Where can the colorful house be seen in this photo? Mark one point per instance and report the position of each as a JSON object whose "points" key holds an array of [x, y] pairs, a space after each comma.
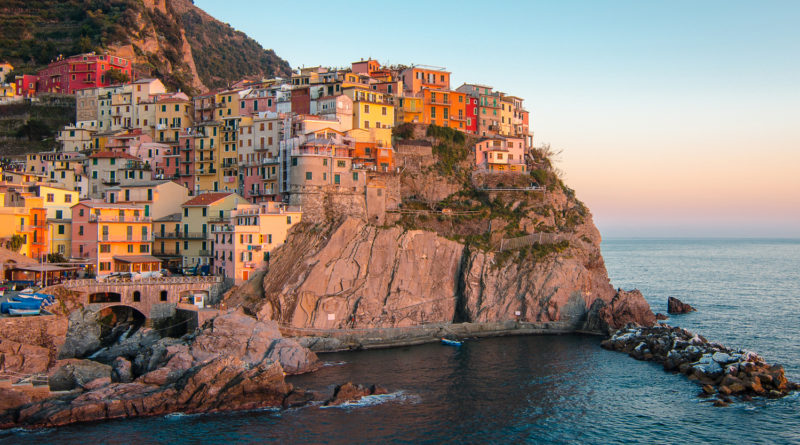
{"points": [[113, 237], [243, 242], [500, 154], [66, 75]]}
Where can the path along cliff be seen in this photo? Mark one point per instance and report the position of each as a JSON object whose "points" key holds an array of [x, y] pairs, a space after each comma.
{"points": [[461, 247]]}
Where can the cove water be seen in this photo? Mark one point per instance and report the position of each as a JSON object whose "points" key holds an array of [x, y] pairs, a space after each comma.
{"points": [[546, 389]]}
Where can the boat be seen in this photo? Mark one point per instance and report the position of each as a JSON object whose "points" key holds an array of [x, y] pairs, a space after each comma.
{"points": [[23, 312], [448, 342], [7, 306]]}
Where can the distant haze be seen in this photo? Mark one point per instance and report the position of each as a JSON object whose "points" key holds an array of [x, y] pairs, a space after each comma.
{"points": [[675, 118]]}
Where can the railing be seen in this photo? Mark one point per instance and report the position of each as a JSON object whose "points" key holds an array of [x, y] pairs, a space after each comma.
{"points": [[181, 235], [133, 219], [126, 238], [204, 253], [156, 281]]}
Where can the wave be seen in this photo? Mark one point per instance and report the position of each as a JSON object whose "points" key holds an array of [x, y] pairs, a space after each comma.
{"points": [[373, 400]]}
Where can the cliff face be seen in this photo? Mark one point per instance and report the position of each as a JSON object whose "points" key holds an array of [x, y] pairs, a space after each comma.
{"points": [[171, 39], [484, 249], [363, 276]]}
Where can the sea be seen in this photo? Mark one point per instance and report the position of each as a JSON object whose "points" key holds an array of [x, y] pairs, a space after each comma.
{"points": [[541, 389]]}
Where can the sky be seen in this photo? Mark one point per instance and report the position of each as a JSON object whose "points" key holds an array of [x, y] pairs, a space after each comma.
{"points": [[673, 119]]}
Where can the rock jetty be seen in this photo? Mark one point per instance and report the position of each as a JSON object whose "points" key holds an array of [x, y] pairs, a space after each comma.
{"points": [[675, 306], [721, 371]]}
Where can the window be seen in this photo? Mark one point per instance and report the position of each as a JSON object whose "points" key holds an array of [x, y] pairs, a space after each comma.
{"points": [[60, 229], [163, 295], [383, 111], [336, 179], [308, 176], [130, 248], [67, 198], [366, 108], [433, 112], [185, 212], [205, 210], [137, 296], [80, 212], [325, 162], [294, 162], [144, 248], [355, 176], [105, 248], [80, 230], [366, 124], [341, 164]]}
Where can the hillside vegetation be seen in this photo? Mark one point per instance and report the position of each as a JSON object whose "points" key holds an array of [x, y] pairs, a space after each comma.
{"points": [[171, 39]]}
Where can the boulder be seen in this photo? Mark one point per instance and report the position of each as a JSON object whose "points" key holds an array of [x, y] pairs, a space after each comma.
{"points": [[660, 316], [83, 335], [675, 306], [626, 307], [122, 370], [351, 393], [74, 373], [294, 358]]}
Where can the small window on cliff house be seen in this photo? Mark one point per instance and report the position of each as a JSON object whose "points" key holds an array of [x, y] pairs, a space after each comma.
{"points": [[163, 295], [137, 296]]}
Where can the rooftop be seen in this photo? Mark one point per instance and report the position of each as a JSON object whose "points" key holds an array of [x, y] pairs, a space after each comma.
{"points": [[205, 199]]}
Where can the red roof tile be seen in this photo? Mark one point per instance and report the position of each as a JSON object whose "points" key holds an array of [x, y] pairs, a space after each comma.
{"points": [[206, 198], [114, 154]]}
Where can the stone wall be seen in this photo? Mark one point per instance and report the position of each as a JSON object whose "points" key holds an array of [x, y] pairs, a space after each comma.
{"points": [[329, 203]]}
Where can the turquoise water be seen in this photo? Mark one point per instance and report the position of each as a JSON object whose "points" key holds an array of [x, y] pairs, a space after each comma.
{"points": [[547, 389]]}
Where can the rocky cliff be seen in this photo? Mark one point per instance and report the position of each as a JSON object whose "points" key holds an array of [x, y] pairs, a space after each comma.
{"points": [[489, 249]]}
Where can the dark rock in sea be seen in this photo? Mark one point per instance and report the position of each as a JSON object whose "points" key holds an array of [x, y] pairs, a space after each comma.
{"points": [[716, 368], [351, 393], [300, 398], [675, 306], [626, 307], [660, 316]]}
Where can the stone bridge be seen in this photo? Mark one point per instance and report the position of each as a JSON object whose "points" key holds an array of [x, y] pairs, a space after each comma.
{"points": [[146, 295]]}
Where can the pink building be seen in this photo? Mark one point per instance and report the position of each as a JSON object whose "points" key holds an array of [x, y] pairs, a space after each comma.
{"points": [[500, 154]]}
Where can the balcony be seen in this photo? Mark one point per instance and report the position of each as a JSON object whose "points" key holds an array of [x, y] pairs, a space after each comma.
{"points": [[181, 235], [110, 181], [125, 239], [157, 251], [204, 253], [137, 165], [125, 219]]}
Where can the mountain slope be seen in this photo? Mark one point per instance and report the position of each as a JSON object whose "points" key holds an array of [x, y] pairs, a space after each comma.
{"points": [[170, 39]]}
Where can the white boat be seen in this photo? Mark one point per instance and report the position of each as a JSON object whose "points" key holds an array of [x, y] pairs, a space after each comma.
{"points": [[23, 312]]}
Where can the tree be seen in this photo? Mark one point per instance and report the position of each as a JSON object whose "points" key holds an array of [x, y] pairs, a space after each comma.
{"points": [[56, 258], [15, 243], [115, 76], [34, 130]]}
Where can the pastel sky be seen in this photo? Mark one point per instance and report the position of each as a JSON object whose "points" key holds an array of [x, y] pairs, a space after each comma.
{"points": [[677, 118]]}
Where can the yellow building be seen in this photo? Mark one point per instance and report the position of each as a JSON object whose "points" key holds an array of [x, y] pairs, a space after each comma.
{"points": [[374, 113], [409, 109], [197, 214], [243, 242]]}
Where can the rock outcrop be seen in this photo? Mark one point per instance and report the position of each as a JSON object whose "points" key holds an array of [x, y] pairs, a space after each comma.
{"points": [[675, 306], [624, 308], [235, 362], [720, 370], [349, 392]]}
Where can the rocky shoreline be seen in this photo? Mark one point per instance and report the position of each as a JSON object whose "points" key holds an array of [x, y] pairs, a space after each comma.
{"points": [[722, 372]]}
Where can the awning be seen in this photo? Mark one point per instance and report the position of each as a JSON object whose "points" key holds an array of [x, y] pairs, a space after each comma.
{"points": [[43, 268], [137, 259]]}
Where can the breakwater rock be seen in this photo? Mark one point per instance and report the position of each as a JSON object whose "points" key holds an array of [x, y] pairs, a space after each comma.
{"points": [[351, 393], [720, 370], [675, 306]]}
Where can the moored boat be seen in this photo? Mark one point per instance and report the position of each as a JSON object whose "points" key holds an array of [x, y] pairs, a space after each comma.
{"points": [[23, 312], [448, 342]]}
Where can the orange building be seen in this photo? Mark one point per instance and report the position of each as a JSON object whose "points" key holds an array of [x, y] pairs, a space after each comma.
{"points": [[444, 108], [421, 76], [369, 154]]}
